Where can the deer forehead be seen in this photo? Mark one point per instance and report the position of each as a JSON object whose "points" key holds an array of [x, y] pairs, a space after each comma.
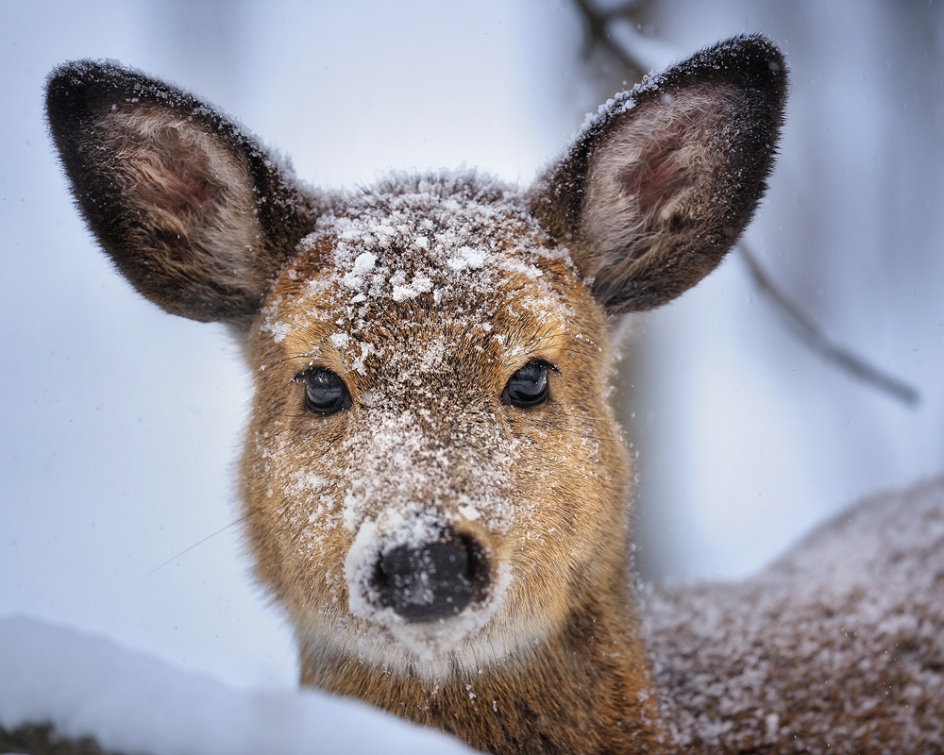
{"points": [[411, 287], [424, 302]]}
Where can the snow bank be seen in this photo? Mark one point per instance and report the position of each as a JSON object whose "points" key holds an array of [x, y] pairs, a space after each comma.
{"points": [[87, 686]]}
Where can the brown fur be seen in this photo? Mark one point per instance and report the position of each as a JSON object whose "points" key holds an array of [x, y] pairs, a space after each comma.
{"points": [[424, 298]]}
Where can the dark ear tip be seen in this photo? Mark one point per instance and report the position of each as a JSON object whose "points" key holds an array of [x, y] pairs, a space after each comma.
{"points": [[748, 60], [73, 88], [78, 87], [759, 45], [61, 85], [76, 75]]}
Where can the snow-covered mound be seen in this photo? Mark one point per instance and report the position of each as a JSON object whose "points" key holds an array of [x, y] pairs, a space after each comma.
{"points": [[127, 702]]}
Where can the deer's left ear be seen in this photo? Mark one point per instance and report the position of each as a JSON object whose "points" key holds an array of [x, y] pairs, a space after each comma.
{"points": [[661, 183]]}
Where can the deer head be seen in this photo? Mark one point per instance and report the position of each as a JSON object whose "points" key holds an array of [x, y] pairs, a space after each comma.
{"points": [[435, 488]]}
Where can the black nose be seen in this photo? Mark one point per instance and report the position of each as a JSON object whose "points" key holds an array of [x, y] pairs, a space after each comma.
{"points": [[433, 580]]}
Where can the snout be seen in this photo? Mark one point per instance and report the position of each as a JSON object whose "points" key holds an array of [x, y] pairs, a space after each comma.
{"points": [[433, 579]]}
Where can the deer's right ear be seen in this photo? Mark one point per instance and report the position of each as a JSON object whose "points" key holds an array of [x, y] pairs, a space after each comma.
{"points": [[192, 211], [661, 183]]}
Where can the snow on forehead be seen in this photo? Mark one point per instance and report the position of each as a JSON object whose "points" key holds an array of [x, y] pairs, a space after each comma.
{"points": [[457, 238]]}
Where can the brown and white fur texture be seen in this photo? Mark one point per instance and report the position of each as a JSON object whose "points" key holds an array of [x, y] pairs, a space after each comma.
{"points": [[435, 490]]}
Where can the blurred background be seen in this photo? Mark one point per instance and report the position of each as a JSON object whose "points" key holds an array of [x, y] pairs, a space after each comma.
{"points": [[119, 425]]}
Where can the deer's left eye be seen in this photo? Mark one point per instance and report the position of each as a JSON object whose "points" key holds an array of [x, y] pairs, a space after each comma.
{"points": [[325, 392], [528, 386]]}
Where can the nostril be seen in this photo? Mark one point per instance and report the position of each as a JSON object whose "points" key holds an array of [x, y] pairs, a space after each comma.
{"points": [[434, 580]]}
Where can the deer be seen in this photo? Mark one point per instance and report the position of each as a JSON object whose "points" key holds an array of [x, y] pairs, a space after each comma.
{"points": [[434, 488]]}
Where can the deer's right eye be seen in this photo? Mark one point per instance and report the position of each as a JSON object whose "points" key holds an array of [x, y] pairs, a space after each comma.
{"points": [[325, 392], [528, 386]]}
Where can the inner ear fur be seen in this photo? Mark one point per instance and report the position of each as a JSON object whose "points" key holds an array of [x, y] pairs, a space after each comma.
{"points": [[663, 180], [194, 213]]}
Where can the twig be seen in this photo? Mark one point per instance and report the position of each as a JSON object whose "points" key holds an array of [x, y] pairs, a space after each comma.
{"points": [[814, 337], [597, 21]]}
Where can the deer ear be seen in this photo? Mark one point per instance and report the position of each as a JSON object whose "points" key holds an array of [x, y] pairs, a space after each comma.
{"points": [[663, 180], [193, 212]]}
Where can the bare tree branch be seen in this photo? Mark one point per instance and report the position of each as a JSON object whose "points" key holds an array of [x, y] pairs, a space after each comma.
{"points": [[597, 34], [810, 333]]}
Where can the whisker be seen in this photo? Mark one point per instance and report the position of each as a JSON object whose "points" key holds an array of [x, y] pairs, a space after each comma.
{"points": [[196, 544]]}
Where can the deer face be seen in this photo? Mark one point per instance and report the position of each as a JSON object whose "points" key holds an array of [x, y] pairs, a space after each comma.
{"points": [[431, 456]]}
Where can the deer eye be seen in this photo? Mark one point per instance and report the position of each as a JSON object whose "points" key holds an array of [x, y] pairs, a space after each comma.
{"points": [[528, 386], [325, 392]]}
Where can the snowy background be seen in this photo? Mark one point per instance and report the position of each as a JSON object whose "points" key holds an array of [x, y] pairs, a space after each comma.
{"points": [[119, 424]]}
